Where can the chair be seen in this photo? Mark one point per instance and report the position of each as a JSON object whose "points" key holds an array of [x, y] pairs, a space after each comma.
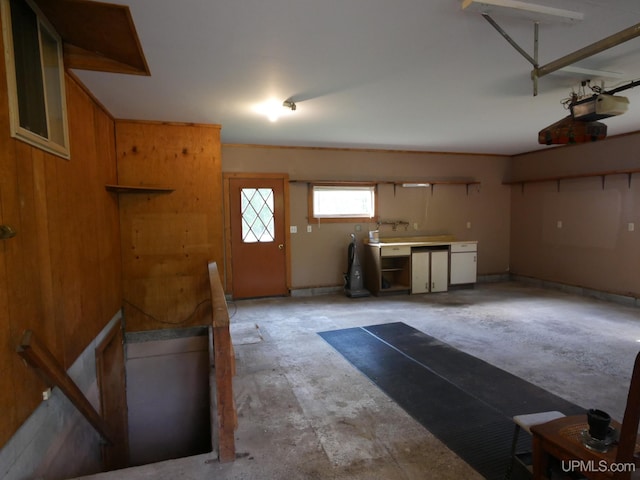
{"points": [[525, 422], [561, 439]]}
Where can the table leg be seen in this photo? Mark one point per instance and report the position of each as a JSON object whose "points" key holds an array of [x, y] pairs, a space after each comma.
{"points": [[540, 459]]}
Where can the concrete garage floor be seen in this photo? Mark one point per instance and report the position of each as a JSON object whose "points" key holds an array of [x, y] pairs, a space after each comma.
{"points": [[305, 413]]}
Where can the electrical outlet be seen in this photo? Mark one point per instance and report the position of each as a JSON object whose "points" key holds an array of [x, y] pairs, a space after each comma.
{"points": [[293, 229], [415, 226], [309, 228], [46, 395], [468, 225], [631, 226], [559, 223]]}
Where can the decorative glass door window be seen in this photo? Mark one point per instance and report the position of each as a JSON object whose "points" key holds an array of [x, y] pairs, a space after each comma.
{"points": [[257, 215]]}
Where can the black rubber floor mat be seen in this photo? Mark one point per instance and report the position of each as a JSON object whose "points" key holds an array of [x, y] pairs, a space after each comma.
{"points": [[508, 393], [465, 402]]}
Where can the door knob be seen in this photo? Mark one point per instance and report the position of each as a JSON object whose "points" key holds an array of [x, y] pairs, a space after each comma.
{"points": [[281, 246]]}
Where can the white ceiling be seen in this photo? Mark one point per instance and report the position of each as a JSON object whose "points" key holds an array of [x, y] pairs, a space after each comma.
{"points": [[408, 74]]}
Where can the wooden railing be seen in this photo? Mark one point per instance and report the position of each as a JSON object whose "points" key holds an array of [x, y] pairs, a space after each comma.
{"points": [[53, 375], [224, 365]]}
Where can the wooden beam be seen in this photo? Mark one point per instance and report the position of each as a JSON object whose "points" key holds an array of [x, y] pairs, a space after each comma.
{"points": [[588, 51], [52, 373]]}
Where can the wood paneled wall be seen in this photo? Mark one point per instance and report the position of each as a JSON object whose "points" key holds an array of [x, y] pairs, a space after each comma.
{"points": [[61, 274], [168, 239]]}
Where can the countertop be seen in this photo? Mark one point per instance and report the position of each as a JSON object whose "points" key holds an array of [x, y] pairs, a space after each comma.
{"points": [[420, 241]]}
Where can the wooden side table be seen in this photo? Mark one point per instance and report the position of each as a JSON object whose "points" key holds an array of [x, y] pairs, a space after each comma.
{"points": [[562, 439]]}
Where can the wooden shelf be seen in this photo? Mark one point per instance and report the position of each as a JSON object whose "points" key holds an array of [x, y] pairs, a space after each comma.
{"points": [[438, 182], [559, 178], [387, 182], [432, 183], [137, 189], [396, 183]]}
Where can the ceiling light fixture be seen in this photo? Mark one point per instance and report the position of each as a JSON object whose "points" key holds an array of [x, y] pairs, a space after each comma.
{"points": [[273, 110]]}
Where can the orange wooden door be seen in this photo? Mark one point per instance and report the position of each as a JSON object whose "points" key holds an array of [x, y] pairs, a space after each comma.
{"points": [[258, 237]]}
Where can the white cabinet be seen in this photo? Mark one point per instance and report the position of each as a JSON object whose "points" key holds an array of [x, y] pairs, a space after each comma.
{"points": [[419, 266], [439, 271], [420, 271], [429, 270], [464, 261]]}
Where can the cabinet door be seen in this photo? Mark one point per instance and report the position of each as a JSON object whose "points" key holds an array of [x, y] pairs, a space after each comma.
{"points": [[439, 271], [420, 272], [463, 268]]}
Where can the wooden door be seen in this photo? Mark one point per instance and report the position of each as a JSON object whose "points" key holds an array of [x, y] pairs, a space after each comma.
{"points": [[258, 236]]}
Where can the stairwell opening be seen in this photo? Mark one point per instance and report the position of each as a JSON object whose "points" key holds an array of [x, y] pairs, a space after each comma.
{"points": [[169, 385]]}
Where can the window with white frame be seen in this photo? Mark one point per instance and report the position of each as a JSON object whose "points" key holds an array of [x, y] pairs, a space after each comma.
{"points": [[342, 202], [35, 77]]}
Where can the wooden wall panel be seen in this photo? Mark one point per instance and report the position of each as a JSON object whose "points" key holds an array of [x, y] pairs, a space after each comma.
{"points": [[108, 221], [169, 239], [78, 238], [8, 420], [25, 277], [9, 216], [60, 275]]}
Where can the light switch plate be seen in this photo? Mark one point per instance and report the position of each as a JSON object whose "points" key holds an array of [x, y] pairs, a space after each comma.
{"points": [[293, 229]]}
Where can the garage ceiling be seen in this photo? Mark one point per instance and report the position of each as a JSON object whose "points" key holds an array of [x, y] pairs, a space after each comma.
{"points": [[408, 75]]}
